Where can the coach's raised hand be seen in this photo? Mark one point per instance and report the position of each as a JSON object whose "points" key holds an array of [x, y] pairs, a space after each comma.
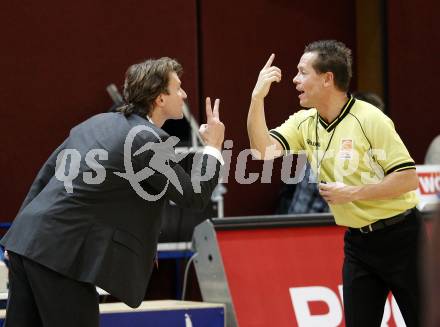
{"points": [[213, 132], [267, 76]]}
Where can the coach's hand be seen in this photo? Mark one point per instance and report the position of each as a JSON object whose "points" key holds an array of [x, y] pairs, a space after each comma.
{"points": [[268, 75], [213, 132]]}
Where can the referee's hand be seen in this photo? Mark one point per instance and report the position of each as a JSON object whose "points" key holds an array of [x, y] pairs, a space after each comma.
{"points": [[337, 193], [267, 76]]}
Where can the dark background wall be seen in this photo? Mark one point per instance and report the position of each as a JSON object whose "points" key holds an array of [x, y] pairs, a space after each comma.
{"points": [[58, 57], [237, 41], [413, 55]]}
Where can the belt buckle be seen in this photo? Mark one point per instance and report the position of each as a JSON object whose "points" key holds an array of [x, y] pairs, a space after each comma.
{"points": [[370, 229]]}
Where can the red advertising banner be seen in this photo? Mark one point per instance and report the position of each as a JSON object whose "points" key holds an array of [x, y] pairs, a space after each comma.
{"points": [[429, 187], [290, 276]]}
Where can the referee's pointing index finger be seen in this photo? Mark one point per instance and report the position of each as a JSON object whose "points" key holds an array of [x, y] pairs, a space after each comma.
{"points": [[269, 61]]}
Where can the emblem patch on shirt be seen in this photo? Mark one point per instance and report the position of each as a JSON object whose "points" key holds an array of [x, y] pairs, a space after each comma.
{"points": [[346, 150]]}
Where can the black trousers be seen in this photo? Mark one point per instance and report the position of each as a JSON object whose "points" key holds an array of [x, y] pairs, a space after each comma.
{"points": [[39, 296], [379, 262]]}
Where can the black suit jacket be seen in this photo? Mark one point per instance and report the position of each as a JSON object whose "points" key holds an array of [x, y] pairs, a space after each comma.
{"points": [[103, 232]]}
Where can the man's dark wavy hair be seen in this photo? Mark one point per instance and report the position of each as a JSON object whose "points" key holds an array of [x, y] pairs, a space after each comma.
{"points": [[144, 82], [335, 57]]}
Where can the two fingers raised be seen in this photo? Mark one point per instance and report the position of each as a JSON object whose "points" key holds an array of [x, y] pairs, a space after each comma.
{"points": [[212, 113]]}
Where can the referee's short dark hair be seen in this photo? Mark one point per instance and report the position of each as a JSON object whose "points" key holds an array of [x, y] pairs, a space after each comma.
{"points": [[335, 57]]}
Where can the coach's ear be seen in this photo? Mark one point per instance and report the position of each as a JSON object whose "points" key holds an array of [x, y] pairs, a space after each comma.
{"points": [[328, 79], [159, 101]]}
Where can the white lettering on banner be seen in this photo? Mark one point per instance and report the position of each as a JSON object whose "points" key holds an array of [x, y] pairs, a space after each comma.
{"points": [[301, 296], [398, 318], [429, 187], [386, 315], [429, 183], [341, 295]]}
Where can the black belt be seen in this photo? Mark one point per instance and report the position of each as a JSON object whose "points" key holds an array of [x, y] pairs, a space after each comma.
{"points": [[380, 224]]}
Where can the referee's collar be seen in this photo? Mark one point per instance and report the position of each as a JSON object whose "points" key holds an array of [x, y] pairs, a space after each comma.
{"points": [[344, 112]]}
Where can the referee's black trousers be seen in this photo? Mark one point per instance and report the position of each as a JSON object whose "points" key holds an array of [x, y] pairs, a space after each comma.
{"points": [[376, 263], [39, 296]]}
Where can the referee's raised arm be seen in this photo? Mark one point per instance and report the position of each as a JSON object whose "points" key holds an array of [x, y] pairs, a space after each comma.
{"points": [[259, 137]]}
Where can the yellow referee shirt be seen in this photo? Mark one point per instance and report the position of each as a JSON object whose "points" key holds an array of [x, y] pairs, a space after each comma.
{"points": [[359, 147]]}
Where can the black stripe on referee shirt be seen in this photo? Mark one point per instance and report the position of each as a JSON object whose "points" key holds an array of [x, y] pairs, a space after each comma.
{"points": [[280, 139], [344, 112], [403, 166]]}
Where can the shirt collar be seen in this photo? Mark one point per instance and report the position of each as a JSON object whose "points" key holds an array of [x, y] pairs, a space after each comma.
{"points": [[344, 112], [150, 120]]}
